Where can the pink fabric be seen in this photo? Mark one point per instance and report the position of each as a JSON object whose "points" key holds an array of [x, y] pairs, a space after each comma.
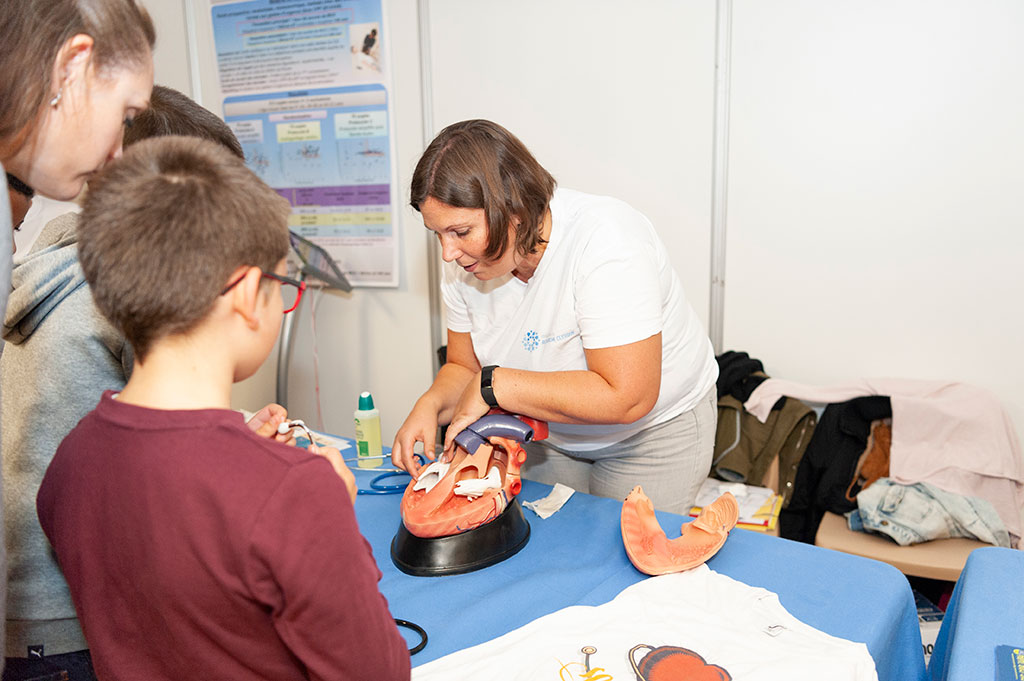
{"points": [[955, 436]]}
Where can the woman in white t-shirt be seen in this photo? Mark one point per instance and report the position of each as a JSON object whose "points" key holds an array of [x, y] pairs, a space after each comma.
{"points": [[562, 306]]}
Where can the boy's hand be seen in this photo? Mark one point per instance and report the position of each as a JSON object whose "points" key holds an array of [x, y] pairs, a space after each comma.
{"points": [[265, 422], [338, 464]]}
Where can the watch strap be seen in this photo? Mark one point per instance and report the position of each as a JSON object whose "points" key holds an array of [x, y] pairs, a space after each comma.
{"points": [[486, 385]]}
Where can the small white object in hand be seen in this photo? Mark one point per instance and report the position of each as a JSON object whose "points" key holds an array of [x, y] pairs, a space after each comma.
{"points": [[287, 426]]}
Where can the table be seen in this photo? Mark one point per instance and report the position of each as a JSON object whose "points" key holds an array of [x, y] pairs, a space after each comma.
{"points": [[576, 557], [986, 610], [937, 559]]}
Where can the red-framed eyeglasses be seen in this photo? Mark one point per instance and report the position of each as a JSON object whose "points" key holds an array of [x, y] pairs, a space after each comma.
{"points": [[291, 289]]}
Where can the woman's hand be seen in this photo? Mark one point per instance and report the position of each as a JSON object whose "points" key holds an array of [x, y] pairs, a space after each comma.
{"points": [[420, 426], [338, 464], [434, 407], [470, 407], [265, 422]]}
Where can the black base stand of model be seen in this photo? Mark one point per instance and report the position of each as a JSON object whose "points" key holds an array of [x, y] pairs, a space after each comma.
{"points": [[478, 548]]}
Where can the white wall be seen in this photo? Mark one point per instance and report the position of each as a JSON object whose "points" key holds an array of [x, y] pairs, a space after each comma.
{"points": [[612, 98], [876, 176], [874, 213], [170, 57]]}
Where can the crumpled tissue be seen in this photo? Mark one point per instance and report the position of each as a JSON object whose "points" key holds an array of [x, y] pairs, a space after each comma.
{"points": [[550, 504]]}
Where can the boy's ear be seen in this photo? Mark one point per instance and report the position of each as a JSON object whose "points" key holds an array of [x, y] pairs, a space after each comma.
{"points": [[245, 295]]}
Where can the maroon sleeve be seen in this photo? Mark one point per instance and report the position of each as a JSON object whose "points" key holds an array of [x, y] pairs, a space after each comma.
{"points": [[316, 573]]}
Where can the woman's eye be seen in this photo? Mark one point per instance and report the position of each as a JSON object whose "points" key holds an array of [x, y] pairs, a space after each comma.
{"points": [[129, 122]]}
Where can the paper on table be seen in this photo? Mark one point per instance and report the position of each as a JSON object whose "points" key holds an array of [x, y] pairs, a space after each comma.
{"points": [[331, 441], [750, 498], [550, 504]]}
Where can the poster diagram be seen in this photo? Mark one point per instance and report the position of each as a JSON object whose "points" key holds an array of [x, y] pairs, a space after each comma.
{"points": [[306, 94]]}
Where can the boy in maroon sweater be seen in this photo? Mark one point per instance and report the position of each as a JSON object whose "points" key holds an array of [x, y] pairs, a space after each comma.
{"points": [[193, 547]]}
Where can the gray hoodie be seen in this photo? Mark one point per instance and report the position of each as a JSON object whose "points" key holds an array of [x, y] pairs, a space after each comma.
{"points": [[59, 357], [5, 287]]}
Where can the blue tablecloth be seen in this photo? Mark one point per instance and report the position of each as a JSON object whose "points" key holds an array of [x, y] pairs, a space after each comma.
{"points": [[576, 557], [986, 610]]}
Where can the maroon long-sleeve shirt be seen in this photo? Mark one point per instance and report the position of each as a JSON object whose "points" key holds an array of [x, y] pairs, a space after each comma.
{"points": [[195, 549]]}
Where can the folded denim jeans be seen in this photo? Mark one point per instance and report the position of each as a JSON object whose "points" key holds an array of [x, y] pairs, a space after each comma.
{"points": [[911, 514]]}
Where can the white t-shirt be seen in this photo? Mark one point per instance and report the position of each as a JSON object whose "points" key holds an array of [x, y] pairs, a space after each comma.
{"points": [[741, 629], [604, 280]]}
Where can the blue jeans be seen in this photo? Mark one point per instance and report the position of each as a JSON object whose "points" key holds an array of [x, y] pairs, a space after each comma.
{"points": [[669, 460], [912, 514], [75, 666]]}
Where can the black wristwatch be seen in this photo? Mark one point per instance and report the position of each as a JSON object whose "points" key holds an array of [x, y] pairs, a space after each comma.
{"points": [[486, 387]]}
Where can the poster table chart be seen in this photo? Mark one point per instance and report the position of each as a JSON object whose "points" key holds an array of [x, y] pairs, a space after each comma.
{"points": [[576, 557], [986, 610]]}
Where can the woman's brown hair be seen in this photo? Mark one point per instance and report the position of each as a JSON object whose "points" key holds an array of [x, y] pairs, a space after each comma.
{"points": [[479, 164], [34, 31]]}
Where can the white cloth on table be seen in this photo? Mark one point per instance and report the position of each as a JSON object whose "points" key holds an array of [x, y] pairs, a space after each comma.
{"points": [[552, 503], [741, 629]]}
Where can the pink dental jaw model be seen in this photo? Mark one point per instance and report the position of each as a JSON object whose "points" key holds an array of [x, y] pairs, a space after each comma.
{"points": [[653, 553], [478, 483]]}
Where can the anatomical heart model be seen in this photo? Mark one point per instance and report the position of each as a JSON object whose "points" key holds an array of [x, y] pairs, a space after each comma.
{"points": [[478, 483]]}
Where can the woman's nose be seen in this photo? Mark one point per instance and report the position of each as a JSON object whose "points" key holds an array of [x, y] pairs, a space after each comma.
{"points": [[448, 251]]}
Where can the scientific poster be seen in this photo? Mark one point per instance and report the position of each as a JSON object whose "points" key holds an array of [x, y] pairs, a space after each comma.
{"points": [[307, 93]]}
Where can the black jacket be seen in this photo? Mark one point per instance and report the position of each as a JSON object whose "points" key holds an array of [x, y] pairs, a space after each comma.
{"points": [[829, 464]]}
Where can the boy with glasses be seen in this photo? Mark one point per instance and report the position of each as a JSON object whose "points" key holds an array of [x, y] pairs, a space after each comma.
{"points": [[192, 545]]}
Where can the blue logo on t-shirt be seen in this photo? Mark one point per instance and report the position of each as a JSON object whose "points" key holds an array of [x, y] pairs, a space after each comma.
{"points": [[531, 340]]}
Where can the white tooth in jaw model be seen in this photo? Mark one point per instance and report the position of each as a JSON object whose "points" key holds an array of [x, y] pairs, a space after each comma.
{"points": [[474, 488], [431, 475]]}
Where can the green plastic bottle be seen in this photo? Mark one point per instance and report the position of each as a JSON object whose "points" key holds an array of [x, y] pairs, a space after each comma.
{"points": [[368, 446]]}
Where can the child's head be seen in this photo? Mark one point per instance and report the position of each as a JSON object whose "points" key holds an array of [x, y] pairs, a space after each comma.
{"points": [[164, 230], [173, 113]]}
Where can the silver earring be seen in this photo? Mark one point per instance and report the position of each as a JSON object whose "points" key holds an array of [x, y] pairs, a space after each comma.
{"points": [[56, 98]]}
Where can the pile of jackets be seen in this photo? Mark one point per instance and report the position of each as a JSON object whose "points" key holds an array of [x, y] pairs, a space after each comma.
{"points": [[914, 460], [745, 446]]}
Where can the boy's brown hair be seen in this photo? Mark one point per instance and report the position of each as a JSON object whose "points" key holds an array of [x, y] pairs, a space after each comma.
{"points": [[479, 164], [173, 113], [164, 228]]}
